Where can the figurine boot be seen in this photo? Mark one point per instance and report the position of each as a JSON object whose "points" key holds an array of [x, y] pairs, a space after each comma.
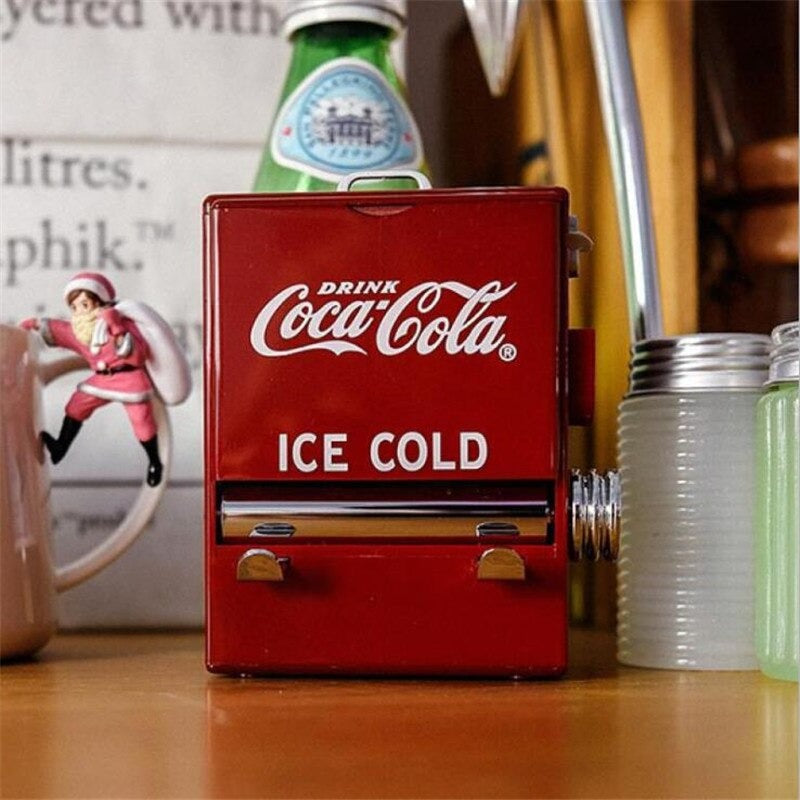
{"points": [[58, 447], [155, 469]]}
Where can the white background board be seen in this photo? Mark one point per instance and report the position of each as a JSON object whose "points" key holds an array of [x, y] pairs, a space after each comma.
{"points": [[118, 118]]}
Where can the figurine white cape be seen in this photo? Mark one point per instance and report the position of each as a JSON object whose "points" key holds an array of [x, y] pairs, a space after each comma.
{"points": [[167, 365]]}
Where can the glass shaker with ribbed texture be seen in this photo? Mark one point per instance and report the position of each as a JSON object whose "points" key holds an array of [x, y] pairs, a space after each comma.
{"points": [[687, 437], [777, 519]]}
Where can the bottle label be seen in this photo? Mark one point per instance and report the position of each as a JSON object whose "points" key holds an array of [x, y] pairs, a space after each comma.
{"points": [[344, 117]]}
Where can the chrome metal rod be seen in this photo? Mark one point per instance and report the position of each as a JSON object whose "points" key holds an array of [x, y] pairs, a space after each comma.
{"points": [[623, 125], [237, 508]]}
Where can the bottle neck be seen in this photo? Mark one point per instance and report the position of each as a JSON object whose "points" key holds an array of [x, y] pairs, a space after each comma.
{"points": [[339, 29], [313, 45]]}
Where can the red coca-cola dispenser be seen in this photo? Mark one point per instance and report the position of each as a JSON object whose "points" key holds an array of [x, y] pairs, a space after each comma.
{"points": [[389, 381]]}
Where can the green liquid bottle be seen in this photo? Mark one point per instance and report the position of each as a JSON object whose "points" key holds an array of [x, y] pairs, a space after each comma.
{"points": [[777, 519], [342, 108]]}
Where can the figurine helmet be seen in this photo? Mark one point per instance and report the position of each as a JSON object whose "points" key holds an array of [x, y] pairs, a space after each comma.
{"points": [[91, 282]]}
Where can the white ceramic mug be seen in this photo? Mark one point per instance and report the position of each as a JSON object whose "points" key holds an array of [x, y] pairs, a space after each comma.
{"points": [[28, 579]]}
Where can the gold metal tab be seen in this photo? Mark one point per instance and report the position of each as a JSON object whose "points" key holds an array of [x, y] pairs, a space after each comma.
{"points": [[501, 564], [260, 565]]}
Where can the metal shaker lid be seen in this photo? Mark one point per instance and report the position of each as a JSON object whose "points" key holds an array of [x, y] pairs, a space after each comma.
{"points": [[300, 13], [784, 362], [699, 362]]}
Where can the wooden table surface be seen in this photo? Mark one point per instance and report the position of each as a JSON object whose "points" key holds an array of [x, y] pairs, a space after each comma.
{"points": [[136, 715]]}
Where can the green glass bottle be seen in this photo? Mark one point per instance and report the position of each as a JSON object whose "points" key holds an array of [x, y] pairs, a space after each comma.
{"points": [[777, 520], [342, 108]]}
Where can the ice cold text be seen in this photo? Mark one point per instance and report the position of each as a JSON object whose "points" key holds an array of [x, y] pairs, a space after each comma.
{"points": [[411, 451]]}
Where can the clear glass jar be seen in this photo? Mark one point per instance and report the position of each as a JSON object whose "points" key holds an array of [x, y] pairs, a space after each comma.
{"points": [[777, 519], [686, 441]]}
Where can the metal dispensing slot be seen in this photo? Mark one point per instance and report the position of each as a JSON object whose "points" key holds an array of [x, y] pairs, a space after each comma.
{"points": [[523, 523]]}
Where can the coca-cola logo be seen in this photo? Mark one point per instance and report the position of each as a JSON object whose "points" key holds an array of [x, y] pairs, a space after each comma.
{"points": [[375, 312]]}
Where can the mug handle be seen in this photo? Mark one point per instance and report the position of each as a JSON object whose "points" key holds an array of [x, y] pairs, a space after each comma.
{"points": [[140, 512]]}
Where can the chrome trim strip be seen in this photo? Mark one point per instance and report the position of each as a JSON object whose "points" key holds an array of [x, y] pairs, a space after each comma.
{"points": [[357, 508]]}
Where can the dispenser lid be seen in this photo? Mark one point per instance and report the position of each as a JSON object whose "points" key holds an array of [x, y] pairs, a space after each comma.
{"points": [[699, 362]]}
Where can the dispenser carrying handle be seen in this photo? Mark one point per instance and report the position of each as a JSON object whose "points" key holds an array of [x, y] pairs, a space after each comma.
{"points": [[348, 180]]}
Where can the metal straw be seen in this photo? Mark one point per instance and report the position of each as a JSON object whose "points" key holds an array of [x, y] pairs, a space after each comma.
{"points": [[623, 125]]}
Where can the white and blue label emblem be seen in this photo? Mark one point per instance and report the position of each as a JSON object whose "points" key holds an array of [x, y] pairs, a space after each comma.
{"points": [[344, 117]]}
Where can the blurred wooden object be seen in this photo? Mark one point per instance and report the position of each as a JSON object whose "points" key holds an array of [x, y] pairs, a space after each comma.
{"points": [[767, 233], [753, 251], [769, 165], [748, 152]]}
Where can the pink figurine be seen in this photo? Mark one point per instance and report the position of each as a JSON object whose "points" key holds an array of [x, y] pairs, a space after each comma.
{"points": [[133, 353]]}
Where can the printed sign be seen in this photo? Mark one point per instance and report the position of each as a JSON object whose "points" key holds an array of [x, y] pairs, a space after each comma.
{"points": [[402, 321]]}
